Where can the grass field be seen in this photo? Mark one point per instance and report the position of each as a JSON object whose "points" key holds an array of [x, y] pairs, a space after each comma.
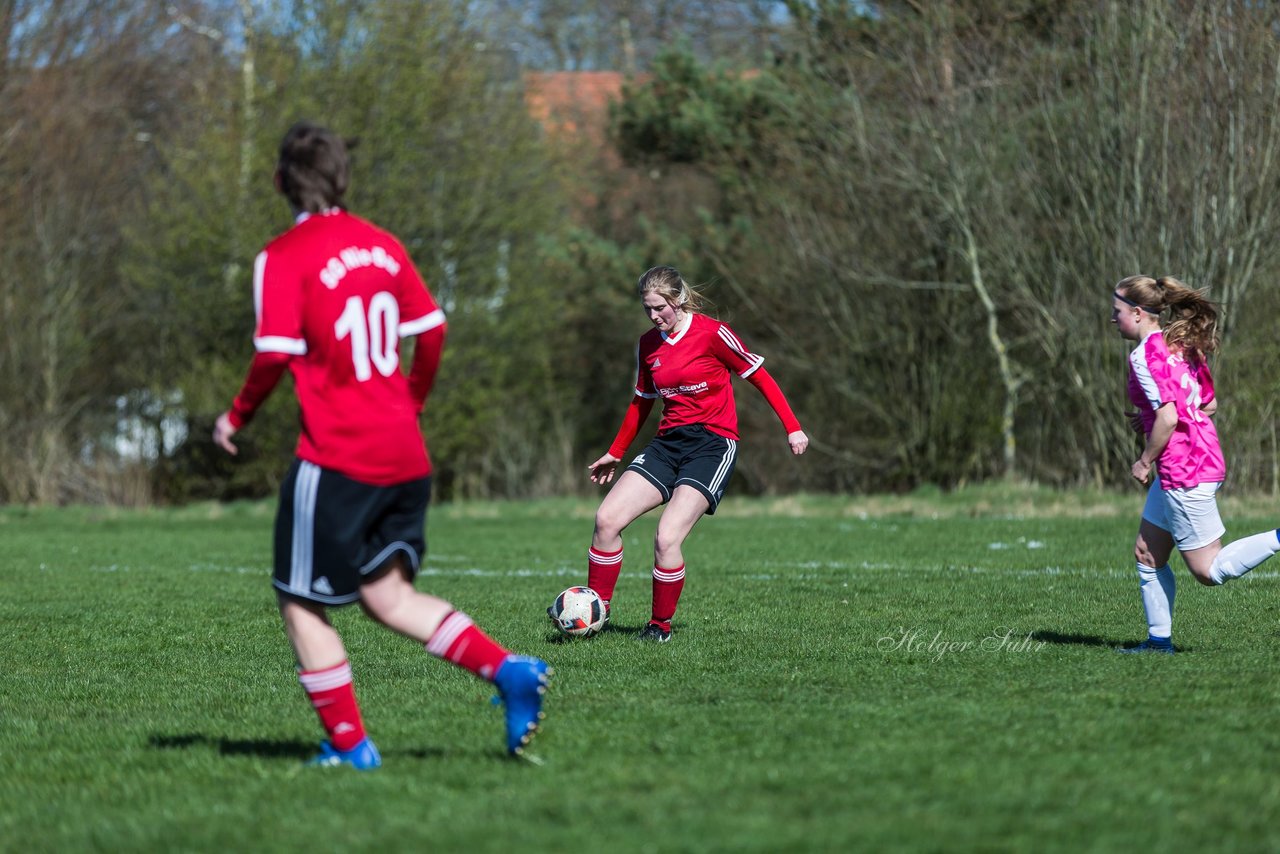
{"points": [[932, 672]]}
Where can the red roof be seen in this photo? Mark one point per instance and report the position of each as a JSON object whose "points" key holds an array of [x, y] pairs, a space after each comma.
{"points": [[573, 103]]}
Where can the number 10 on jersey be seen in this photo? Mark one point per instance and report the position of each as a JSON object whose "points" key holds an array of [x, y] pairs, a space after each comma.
{"points": [[375, 334]]}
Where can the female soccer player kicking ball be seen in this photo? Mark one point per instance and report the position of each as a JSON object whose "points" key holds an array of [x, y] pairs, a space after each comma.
{"points": [[333, 296], [688, 360], [1170, 384]]}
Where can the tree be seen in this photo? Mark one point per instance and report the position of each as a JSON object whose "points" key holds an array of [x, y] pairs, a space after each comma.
{"points": [[940, 192], [81, 88], [627, 35], [446, 157], [1160, 151]]}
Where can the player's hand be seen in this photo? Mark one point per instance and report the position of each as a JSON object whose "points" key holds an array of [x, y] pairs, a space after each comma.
{"points": [[603, 469], [222, 433], [1141, 470], [798, 441]]}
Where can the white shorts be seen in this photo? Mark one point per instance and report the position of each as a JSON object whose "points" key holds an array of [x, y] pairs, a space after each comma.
{"points": [[1190, 515]]}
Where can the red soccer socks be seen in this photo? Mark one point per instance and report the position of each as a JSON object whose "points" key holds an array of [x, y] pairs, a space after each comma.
{"points": [[667, 585], [603, 569], [333, 696], [458, 640]]}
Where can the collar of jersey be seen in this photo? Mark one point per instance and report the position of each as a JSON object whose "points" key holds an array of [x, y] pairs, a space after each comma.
{"points": [[684, 327], [306, 215]]}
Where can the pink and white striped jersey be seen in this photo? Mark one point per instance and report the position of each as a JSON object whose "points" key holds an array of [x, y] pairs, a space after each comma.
{"points": [[1157, 377]]}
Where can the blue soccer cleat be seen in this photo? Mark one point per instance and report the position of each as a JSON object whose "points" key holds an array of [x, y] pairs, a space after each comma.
{"points": [[521, 681], [363, 757], [1148, 647]]}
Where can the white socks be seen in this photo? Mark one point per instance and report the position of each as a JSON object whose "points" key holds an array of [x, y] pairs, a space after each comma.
{"points": [[1235, 559], [1239, 557], [1158, 590]]}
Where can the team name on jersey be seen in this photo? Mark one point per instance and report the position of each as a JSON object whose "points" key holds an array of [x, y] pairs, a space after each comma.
{"points": [[673, 391], [353, 258]]}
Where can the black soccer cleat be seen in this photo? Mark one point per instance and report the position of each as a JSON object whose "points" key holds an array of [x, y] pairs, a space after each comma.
{"points": [[654, 633]]}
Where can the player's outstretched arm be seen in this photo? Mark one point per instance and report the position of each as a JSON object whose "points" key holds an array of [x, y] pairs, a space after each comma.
{"points": [[768, 387]]}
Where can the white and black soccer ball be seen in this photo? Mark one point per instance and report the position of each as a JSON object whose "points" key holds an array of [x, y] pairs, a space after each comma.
{"points": [[578, 612]]}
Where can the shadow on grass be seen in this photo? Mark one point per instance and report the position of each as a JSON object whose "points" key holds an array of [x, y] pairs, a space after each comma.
{"points": [[295, 751], [610, 628], [270, 749], [1090, 640], [618, 628], [1073, 639], [556, 639]]}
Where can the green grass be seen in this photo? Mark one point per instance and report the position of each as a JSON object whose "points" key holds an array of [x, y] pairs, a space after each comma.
{"points": [[924, 673]]}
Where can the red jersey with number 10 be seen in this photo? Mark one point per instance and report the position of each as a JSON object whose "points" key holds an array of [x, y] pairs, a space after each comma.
{"points": [[690, 371], [338, 293]]}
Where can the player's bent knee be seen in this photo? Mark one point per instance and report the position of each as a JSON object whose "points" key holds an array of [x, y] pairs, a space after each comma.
{"points": [[664, 542], [1204, 576], [668, 550], [375, 610], [608, 526], [415, 615], [382, 598]]}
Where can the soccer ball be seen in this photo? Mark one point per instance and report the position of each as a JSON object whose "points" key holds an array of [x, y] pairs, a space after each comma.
{"points": [[578, 612]]}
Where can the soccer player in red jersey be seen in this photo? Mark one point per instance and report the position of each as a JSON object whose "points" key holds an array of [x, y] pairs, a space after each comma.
{"points": [[688, 360], [333, 296]]}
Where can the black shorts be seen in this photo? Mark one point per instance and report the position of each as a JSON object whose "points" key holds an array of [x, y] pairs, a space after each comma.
{"points": [[690, 456], [333, 533]]}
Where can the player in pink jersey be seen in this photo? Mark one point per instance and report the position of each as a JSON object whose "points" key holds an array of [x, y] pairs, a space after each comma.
{"points": [[688, 360], [333, 296], [1172, 390]]}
